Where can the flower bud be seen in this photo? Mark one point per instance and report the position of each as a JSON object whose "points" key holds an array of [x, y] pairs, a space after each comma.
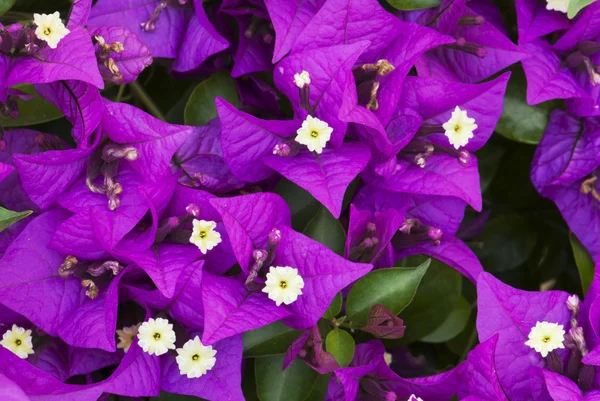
{"points": [[193, 210]]}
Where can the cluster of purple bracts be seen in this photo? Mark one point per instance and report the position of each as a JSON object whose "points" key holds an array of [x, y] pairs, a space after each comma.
{"points": [[108, 244]]}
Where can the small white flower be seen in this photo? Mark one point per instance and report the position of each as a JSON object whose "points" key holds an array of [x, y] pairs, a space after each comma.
{"points": [[18, 340], [50, 28], [283, 284], [545, 337], [314, 133], [204, 235], [387, 357], [195, 359], [156, 336], [558, 5], [126, 336], [414, 398], [459, 129], [302, 79]]}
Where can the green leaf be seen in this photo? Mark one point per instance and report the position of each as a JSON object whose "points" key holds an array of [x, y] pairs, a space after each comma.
{"points": [[334, 308], [521, 122], [36, 111], [164, 396], [341, 345], [8, 217], [438, 294], [454, 324], [585, 263], [488, 159], [506, 243], [393, 288], [302, 204], [201, 108], [413, 4], [576, 5], [272, 339], [319, 390], [325, 229], [5, 5], [292, 384]]}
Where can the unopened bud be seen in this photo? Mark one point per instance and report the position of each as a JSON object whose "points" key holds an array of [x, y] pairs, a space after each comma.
{"points": [[464, 157], [274, 237], [573, 304], [370, 228], [259, 255], [407, 225], [193, 210], [282, 149]]}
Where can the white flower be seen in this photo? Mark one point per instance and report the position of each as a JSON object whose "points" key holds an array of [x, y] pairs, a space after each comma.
{"points": [[387, 357], [195, 359], [459, 129], [204, 235], [302, 79], [545, 337], [283, 284], [19, 341], [156, 336], [314, 133], [50, 28], [558, 5], [126, 336], [414, 398]]}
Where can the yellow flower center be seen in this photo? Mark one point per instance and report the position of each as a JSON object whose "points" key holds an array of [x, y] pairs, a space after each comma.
{"points": [[546, 339], [314, 134], [202, 234], [195, 357], [156, 336], [457, 128], [18, 342], [283, 284], [47, 31]]}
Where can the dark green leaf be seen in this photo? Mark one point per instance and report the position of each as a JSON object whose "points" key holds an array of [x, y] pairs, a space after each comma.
{"points": [[393, 288], [164, 396], [8, 217], [585, 263], [453, 325], [334, 308], [201, 108], [506, 242], [319, 390], [488, 159], [271, 339], [519, 121], [292, 384], [413, 4], [341, 345], [249, 382], [302, 204], [438, 293], [325, 229], [36, 111], [5, 5], [576, 5]]}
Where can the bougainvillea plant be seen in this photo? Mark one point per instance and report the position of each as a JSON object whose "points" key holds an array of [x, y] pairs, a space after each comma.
{"points": [[300, 200]]}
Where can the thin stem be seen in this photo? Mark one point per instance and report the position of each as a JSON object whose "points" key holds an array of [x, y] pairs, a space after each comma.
{"points": [[140, 94], [120, 93]]}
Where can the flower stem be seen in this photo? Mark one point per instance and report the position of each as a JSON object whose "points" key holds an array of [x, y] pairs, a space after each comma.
{"points": [[140, 94]]}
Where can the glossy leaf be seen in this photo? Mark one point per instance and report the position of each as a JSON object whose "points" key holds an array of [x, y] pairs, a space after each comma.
{"points": [[200, 108], [271, 339], [438, 293], [8, 217], [327, 230], [334, 308], [273, 384], [585, 263], [302, 204], [393, 287], [341, 345], [521, 122], [35, 111], [413, 4], [454, 324]]}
